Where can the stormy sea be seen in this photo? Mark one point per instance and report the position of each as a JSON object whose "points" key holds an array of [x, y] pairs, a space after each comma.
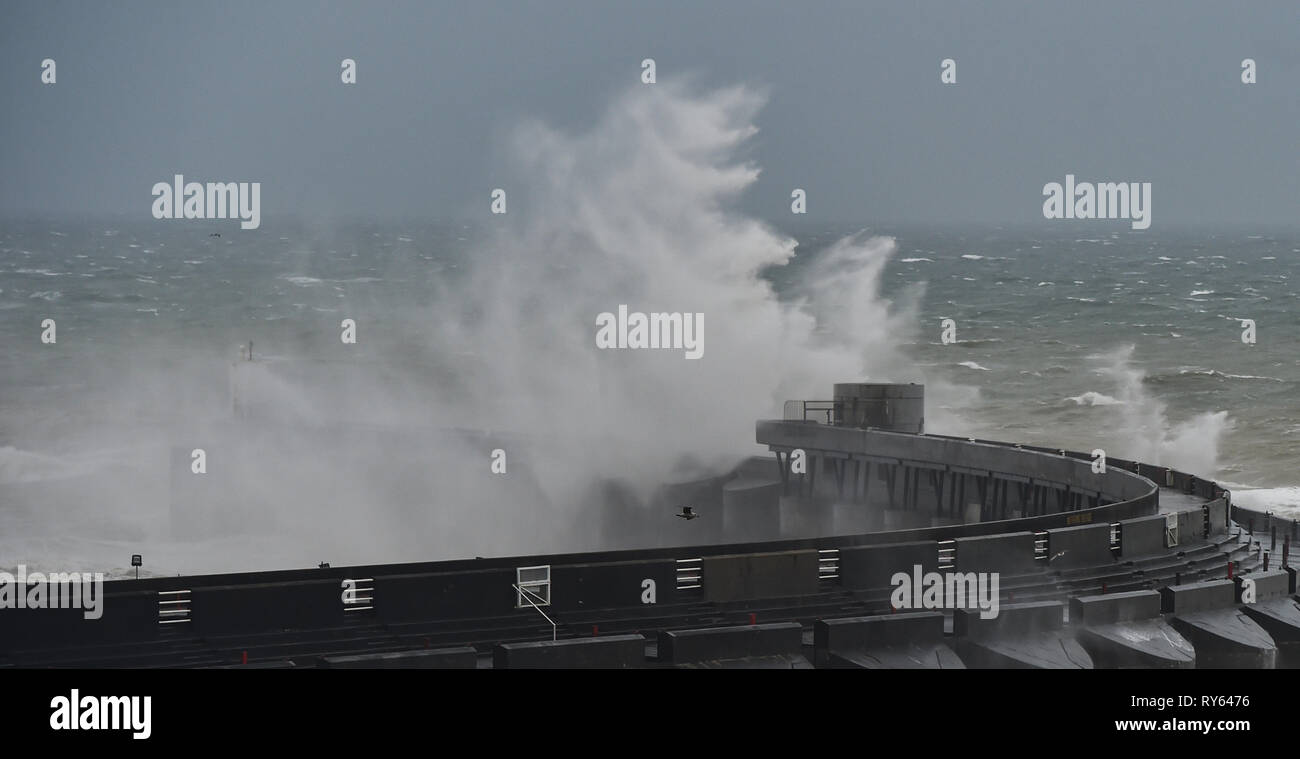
{"points": [[186, 390]]}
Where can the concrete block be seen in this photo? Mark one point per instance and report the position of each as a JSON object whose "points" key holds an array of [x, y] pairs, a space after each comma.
{"points": [[1269, 585], [921, 628], [608, 652], [1013, 620], [1197, 596], [1114, 607], [685, 646]]}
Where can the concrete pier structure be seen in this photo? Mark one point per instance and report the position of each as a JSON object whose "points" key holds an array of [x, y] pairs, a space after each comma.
{"points": [[780, 568]]}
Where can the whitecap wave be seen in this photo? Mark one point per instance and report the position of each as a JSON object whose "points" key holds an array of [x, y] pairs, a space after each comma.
{"points": [[1093, 398], [1283, 501]]}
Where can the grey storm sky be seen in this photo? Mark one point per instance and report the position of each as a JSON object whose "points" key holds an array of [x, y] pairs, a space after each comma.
{"points": [[857, 116]]}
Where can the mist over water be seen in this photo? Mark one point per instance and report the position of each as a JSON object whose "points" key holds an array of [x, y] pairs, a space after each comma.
{"points": [[636, 212], [1142, 428], [472, 339], [381, 451]]}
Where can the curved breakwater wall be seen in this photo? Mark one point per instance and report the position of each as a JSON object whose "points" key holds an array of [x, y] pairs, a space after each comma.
{"points": [[1081, 517]]}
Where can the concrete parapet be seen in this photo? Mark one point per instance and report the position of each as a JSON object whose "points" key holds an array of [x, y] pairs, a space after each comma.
{"points": [[874, 566], [1010, 553], [226, 610], [1086, 546], [761, 575], [1142, 536]]}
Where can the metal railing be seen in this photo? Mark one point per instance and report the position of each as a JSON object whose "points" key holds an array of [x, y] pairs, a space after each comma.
{"points": [[828, 564], [358, 597], [690, 574], [826, 412], [1040, 546], [173, 607], [834, 413], [947, 554]]}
